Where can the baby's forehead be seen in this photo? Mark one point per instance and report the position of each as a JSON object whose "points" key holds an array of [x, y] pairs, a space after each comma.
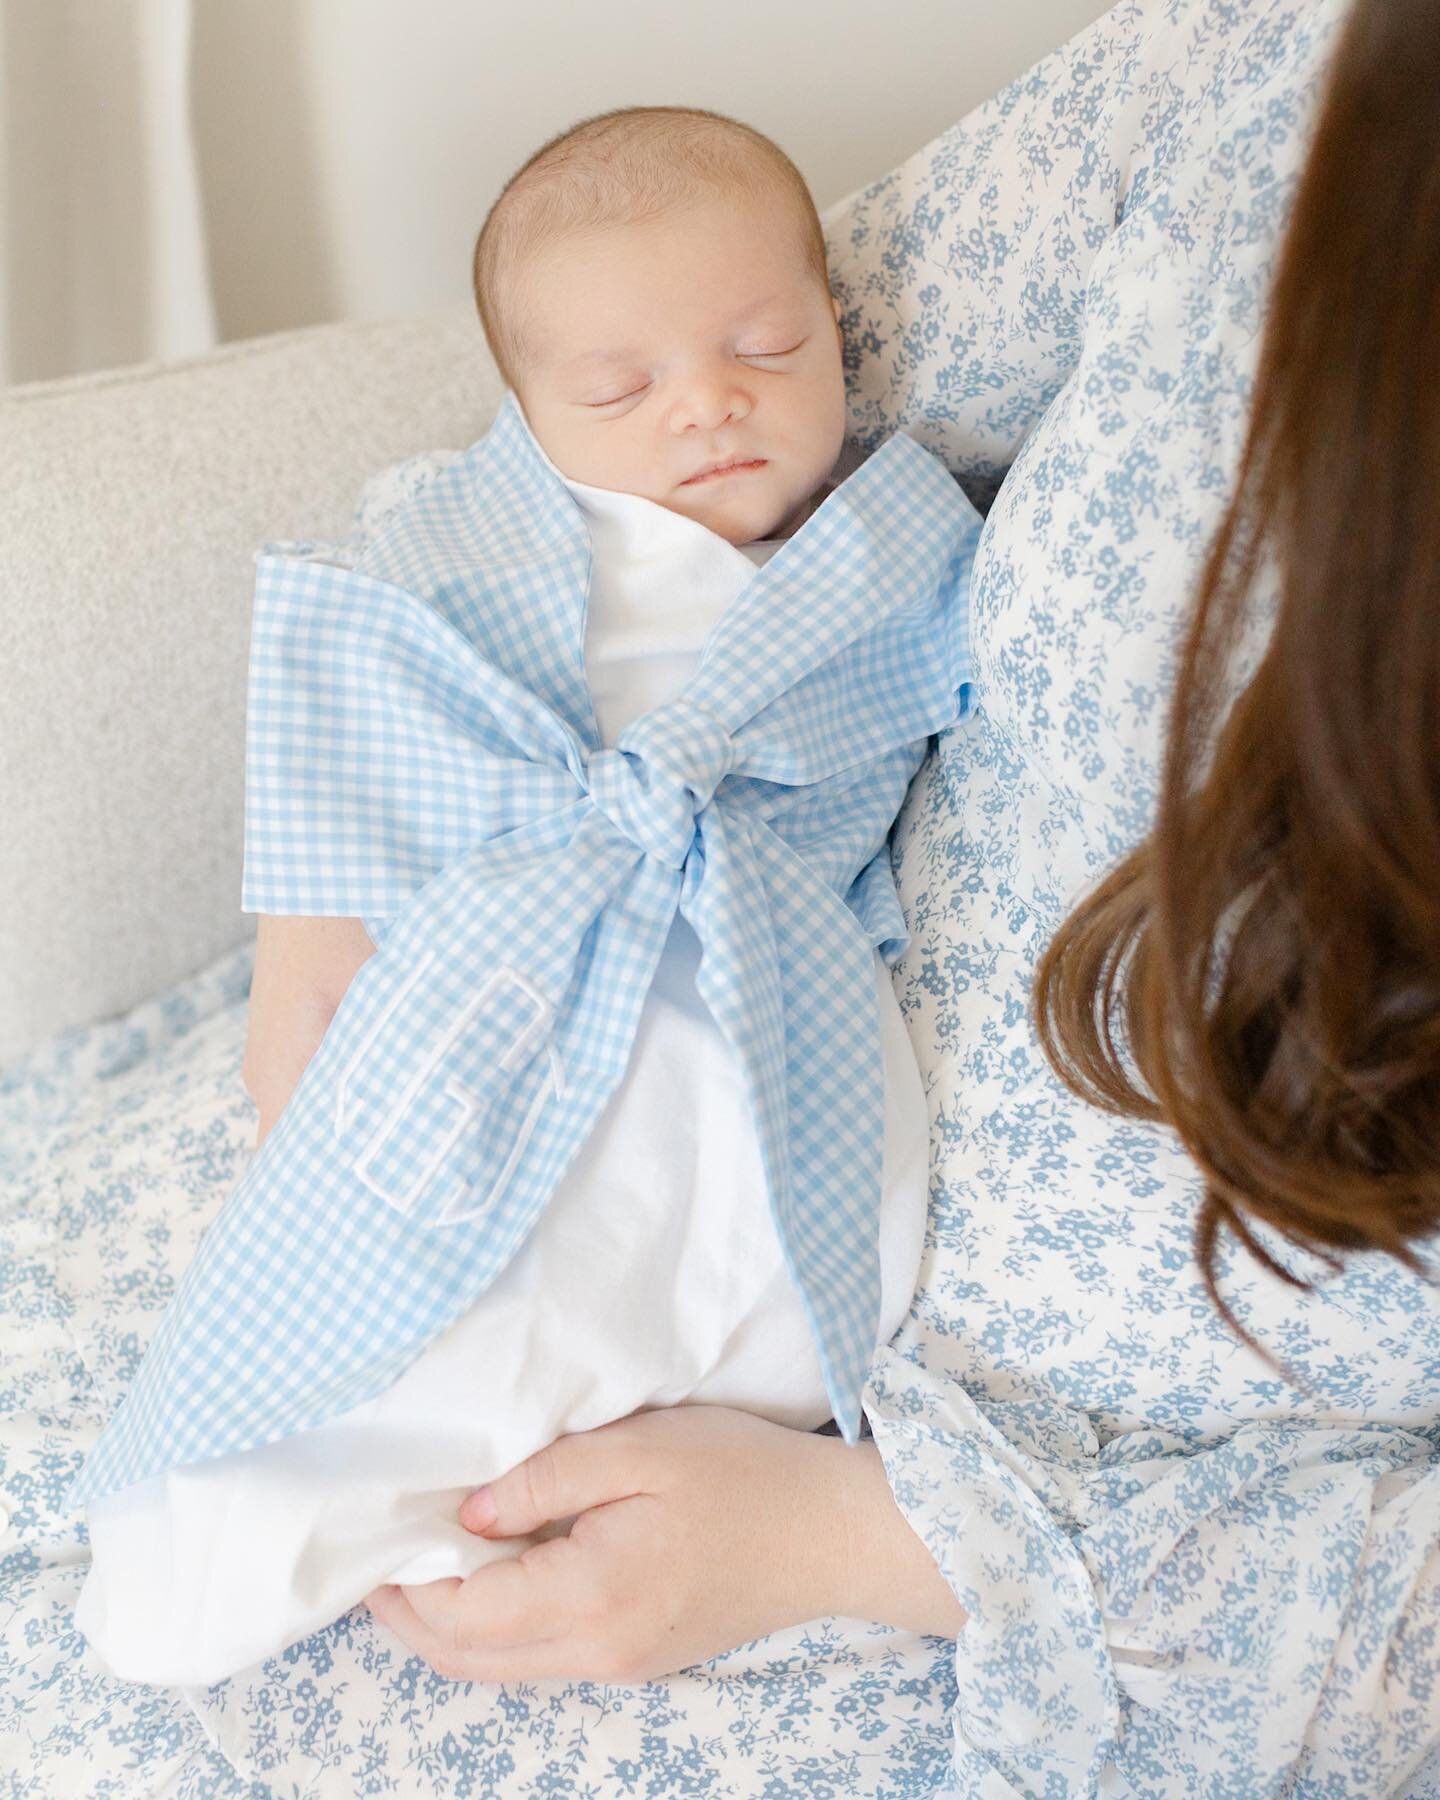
{"points": [[580, 347], [591, 301]]}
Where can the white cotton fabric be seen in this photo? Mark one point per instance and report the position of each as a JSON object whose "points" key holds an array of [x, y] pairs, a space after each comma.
{"points": [[655, 1275]]}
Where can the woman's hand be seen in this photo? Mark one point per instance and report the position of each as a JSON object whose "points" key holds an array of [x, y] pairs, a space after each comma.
{"points": [[696, 1529]]}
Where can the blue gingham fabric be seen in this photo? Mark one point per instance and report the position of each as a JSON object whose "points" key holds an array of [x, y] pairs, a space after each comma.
{"points": [[422, 753]]}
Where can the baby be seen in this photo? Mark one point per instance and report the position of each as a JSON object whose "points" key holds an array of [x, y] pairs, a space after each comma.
{"points": [[652, 285], [654, 288]]}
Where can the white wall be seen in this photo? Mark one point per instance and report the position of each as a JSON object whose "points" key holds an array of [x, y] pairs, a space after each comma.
{"points": [[350, 148]]}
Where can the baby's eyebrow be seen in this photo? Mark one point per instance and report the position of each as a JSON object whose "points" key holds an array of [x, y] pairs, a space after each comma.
{"points": [[592, 358]]}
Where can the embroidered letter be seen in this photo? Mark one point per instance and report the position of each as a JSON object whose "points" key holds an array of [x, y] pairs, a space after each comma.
{"points": [[426, 1119]]}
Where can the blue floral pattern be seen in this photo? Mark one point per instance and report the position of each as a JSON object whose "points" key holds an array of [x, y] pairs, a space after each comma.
{"points": [[117, 1145], [1186, 1573]]}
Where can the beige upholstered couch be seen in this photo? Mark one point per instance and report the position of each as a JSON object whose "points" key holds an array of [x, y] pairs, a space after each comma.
{"points": [[131, 502]]}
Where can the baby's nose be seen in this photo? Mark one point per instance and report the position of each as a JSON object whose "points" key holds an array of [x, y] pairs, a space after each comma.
{"points": [[708, 405]]}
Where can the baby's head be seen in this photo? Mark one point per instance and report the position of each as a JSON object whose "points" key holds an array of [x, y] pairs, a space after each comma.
{"points": [[652, 285]]}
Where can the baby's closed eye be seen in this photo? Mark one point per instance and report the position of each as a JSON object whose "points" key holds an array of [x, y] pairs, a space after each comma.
{"points": [[632, 393]]}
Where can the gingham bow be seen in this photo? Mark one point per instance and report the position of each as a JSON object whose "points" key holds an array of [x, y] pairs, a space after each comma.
{"points": [[422, 753], [654, 785]]}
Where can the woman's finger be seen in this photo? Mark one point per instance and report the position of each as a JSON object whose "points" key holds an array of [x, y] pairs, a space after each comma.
{"points": [[526, 1662], [588, 1468], [528, 1599]]}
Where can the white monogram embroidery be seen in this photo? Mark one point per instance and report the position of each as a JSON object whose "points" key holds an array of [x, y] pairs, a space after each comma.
{"points": [[461, 1203]]}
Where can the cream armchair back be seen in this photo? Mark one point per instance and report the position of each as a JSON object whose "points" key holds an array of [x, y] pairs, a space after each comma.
{"points": [[131, 502]]}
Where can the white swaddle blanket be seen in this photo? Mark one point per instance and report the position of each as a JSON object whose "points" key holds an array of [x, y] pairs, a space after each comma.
{"points": [[655, 1275]]}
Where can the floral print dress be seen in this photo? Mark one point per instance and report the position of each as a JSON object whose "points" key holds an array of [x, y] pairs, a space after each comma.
{"points": [[1188, 1571], [1187, 1574]]}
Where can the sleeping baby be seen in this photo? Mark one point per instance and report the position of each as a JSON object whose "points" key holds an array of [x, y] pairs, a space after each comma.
{"points": [[586, 748]]}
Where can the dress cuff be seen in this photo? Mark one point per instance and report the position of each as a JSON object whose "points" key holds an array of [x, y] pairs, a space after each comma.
{"points": [[1268, 1597]]}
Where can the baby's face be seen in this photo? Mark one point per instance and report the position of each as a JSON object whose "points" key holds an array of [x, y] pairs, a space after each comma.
{"points": [[696, 339]]}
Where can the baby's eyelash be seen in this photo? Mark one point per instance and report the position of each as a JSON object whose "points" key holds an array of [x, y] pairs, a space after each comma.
{"points": [[749, 355], [615, 401]]}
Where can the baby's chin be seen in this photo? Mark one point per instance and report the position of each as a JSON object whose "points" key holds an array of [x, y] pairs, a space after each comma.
{"points": [[750, 518]]}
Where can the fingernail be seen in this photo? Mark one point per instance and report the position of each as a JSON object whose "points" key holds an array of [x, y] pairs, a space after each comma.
{"points": [[478, 1512]]}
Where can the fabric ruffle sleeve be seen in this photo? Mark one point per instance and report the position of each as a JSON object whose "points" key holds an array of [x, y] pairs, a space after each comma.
{"points": [[1274, 1597]]}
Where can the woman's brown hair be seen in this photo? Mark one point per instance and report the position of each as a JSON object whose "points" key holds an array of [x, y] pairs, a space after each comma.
{"points": [[1263, 972]]}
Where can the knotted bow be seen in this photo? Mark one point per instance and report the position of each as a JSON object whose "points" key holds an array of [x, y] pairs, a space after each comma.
{"points": [[655, 788], [422, 753]]}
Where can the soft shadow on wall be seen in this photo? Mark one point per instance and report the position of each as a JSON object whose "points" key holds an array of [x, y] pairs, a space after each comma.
{"points": [[177, 173], [273, 261], [350, 148], [102, 253]]}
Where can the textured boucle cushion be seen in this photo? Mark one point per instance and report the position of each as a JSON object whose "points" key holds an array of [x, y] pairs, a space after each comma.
{"points": [[134, 500]]}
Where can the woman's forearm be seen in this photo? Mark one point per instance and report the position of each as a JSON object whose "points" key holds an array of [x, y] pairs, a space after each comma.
{"points": [[868, 1561]]}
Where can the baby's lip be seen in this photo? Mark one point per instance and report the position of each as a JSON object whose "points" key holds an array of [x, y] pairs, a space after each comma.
{"points": [[736, 465]]}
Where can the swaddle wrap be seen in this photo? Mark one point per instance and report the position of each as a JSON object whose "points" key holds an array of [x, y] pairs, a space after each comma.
{"points": [[422, 753]]}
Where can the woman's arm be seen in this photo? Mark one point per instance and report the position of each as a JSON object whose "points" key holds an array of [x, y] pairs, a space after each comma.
{"points": [[695, 1529], [963, 274], [870, 1562]]}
